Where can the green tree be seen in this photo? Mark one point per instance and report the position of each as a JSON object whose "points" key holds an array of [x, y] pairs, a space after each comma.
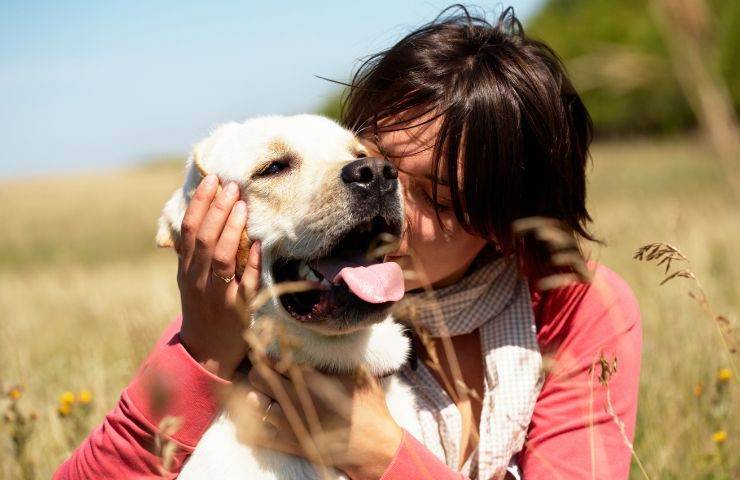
{"points": [[619, 63], [332, 107]]}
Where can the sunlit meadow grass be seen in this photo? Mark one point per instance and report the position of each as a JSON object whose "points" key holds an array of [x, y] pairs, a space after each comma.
{"points": [[84, 294]]}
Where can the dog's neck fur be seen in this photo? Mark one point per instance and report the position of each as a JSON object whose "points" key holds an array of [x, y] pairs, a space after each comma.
{"points": [[381, 349]]}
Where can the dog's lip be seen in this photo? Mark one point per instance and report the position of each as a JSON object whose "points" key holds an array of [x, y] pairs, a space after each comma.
{"points": [[395, 229], [390, 224]]}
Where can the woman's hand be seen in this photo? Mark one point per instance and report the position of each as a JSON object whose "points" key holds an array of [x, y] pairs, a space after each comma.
{"points": [[341, 421], [212, 318]]}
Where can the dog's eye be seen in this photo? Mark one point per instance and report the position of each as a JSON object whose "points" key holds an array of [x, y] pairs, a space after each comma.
{"points": [[274, 167]]}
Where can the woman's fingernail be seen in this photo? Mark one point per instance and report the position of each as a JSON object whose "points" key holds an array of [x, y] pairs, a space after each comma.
{"points": [[253, 398], [210, 180], [241, 208], [231, 188], [255, 248]]}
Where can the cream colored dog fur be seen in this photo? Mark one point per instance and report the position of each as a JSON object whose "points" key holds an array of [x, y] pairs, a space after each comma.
{"points": [[298, 214]]}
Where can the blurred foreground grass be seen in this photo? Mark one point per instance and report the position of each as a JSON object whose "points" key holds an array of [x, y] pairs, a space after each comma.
{"points": [[84, 294]]}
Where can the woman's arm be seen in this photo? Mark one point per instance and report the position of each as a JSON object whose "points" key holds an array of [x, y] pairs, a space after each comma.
{"points": [[414, 461], [581, 427], [123, 445], [196, 355], [359, 436]]}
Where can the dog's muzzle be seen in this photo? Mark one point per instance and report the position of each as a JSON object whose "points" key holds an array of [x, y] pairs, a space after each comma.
{"points": [[353, 284]]}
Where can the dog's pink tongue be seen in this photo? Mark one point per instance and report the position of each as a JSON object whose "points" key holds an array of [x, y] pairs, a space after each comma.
{"points": [[378, 283], [375, 283]]}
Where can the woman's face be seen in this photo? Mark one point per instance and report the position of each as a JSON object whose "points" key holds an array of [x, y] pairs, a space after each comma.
{"points": [[438, 256]]}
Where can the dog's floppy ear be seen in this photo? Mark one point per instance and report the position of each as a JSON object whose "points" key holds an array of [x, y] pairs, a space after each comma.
{"points": [[242, 253], [168, 230], [165, 237]]}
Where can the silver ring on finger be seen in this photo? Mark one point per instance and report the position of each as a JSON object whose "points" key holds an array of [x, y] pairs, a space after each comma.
{"points": [[224, 279], [267, 411]]}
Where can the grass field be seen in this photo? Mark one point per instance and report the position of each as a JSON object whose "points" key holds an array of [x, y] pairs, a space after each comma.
{"points": [[84, 293]]}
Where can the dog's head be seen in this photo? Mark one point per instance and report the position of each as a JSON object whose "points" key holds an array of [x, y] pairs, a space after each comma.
{"points": [[320, 208]]}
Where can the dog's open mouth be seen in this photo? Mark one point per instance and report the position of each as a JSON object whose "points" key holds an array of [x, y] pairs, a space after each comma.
{"points": [[352, 273]]}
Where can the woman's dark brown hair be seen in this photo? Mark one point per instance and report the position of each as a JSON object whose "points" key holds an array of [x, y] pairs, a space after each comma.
{"points": [[507, 110]]}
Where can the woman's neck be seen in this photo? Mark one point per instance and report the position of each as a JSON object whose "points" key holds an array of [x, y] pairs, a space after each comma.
{"points": [[458, 274]]}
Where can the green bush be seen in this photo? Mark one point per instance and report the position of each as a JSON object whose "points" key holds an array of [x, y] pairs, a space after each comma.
{"points": [[618, 61]]}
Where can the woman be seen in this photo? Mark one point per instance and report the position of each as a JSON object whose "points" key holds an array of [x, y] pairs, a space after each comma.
{"points": [[485, 128]]}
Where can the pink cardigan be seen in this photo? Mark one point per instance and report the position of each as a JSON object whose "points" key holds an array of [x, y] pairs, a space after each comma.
{"points": [[575, 325]]}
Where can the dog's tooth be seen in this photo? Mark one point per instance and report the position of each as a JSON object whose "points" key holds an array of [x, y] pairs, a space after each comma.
{"points": [[311, 276], [304, 270], [317, 273]]}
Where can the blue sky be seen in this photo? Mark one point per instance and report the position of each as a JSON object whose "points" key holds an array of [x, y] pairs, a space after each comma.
{"points": [[88, 85]]}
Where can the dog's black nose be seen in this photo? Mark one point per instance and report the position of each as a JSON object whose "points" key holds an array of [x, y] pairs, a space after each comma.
{"points": [[370, 174]]}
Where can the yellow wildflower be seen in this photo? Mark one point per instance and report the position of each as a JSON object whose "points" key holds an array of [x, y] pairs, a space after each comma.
{"points": [[64, 409], [724, 375], [84, 397], [719, 436], [67, 398], [15, 394]]}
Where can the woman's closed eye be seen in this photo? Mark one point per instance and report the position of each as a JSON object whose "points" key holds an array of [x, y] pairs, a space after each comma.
{"points": [[441, 206]]}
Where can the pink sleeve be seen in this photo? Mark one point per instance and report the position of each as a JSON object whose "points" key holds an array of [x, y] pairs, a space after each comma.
{"points": [[413, 461], [169, 384], [572, 435], [575, 326]]}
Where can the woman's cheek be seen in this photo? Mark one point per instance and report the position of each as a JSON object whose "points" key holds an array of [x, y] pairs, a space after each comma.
{"points": [[427, 229], [452, 227]]}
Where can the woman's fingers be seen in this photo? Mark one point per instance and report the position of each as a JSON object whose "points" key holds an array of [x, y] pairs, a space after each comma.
{"points": [[224, 255], [210, 230], [282, 440], [250, 280], [277, 432], [260, 420], [194, 214], [329, 391], [265, 409], [265, 379]]}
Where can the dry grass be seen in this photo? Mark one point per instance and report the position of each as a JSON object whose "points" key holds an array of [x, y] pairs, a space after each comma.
{"points": [[84, 293]]}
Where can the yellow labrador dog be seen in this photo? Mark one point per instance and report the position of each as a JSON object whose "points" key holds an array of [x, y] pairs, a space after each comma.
{"points": [[317, 203]]}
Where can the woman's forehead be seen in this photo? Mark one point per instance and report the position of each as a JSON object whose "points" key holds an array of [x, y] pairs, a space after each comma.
{"points": [[409, 148]]}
